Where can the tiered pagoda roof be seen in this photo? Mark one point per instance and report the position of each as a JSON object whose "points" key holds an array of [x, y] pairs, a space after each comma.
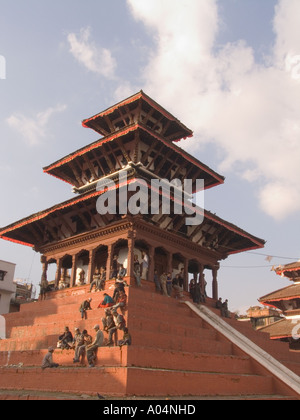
{"points": [[139, 135], [136, 131]]}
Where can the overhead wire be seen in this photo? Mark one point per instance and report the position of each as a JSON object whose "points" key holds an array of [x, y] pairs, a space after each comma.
{"points": [[267, 256]]}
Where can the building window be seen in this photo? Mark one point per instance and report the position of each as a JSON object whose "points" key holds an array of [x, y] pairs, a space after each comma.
{"points": [[2, 275]]}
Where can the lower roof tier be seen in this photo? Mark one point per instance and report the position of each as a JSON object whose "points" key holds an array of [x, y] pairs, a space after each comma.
{"points": [[79, 215], [286, 294], [281, 330]]}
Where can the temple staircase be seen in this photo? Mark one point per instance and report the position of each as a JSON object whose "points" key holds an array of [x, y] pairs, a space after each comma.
{"points": [[176, 352]]}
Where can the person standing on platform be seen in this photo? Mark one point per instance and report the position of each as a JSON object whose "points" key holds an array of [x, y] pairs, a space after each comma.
{"points": [[181, 278], [115, 267], [96, 281], [193, 290], [137, 270], [177, 288], [169, 284], [145, 266], [163, 282]]}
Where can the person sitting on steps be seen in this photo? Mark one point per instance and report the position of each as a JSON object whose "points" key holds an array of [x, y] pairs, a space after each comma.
{"points": [[93, 347], [48, 360], [109, 326], [84, 307]]}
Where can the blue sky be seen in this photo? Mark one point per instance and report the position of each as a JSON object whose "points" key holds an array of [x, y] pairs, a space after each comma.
{"points": [[228, 69]]}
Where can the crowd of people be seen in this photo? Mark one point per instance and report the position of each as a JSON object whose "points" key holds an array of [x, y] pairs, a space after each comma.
{"points": [[84, 345]]}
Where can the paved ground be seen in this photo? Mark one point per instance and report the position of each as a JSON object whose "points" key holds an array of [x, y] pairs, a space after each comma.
{"points": [[37, 395]]}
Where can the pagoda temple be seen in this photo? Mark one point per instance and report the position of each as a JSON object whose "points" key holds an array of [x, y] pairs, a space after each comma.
{"points": [[138, 137], [286, 300], [132, 209]]}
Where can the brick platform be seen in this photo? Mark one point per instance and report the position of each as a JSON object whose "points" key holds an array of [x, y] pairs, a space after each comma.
{"points": [[174, 353]]}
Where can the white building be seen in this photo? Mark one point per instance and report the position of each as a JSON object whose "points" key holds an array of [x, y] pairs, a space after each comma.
{"points": [[7, 285]]}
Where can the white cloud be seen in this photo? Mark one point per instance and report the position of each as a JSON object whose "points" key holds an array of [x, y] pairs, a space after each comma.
{"points": [[96, 59], [250, 110], [34, 129]]}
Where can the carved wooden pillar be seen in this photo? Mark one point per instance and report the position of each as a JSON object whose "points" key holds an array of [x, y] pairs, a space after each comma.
{"points": [[109, 260], [91, 269], [58, 272], [151, 263], [74, 269], [130, 257], [215, 283], [201, 277], [186, 275], [44, 269], [170, 263]]}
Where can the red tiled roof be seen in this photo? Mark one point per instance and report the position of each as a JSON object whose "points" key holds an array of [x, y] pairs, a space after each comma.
{"points": [[186, 132], [287, 293], [282, 329], [288, 268]]}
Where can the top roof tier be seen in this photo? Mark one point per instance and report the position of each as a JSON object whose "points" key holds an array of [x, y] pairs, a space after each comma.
{"points": [[137, 131], [139, 108]]}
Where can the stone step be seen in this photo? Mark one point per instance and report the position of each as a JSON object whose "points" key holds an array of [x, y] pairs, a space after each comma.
{"points": [[165, 341], [138, 356], [77, 295], [119, 381], [107, 356], [189, 361], [138, 324], [161, 335], [131, 401], [173, 351], [71, 311]]}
